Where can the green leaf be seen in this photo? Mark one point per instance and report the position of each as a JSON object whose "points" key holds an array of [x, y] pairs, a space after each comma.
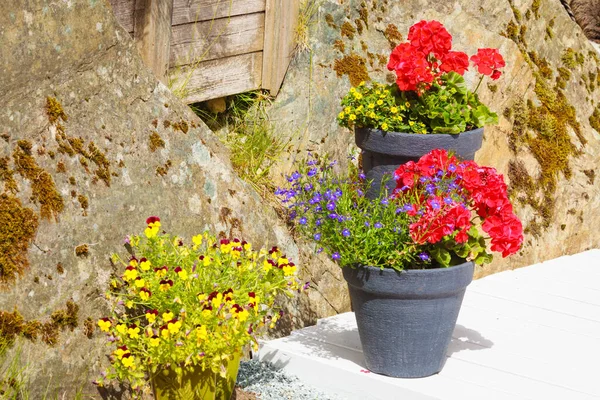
{"points": [[484, 258], [442, 256]]}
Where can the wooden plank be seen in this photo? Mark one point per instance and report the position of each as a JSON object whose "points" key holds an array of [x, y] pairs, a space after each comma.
{"points": [[281, 20], [209, 40], [217, 78], [189, 11], [124, 11], [153, 34]]}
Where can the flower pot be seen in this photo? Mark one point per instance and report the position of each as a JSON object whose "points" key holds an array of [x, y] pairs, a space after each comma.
{"points": [[195, 384], [383, 152], [406, 319]]}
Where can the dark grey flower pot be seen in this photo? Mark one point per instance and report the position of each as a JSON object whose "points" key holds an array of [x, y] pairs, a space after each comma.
{"points": [[405, 320], [384, 152]]}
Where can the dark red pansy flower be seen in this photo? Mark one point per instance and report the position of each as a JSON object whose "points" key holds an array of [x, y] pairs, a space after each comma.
{"points": [[152, 219]]}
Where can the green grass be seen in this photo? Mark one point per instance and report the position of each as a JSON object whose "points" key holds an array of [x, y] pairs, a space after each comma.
{"points": [[246, 130]]}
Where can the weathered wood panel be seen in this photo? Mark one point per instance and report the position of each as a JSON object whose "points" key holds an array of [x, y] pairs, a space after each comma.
{"points": [[152, 34], [281, 20], [209, 40], [218, 78], [187, 11], [124, 12]]}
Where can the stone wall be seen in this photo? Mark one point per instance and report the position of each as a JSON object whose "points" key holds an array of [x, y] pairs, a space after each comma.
{"points": [[91, 144]]}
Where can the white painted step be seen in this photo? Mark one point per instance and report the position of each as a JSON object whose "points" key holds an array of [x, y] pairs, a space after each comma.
{"points": [[531, 333]]}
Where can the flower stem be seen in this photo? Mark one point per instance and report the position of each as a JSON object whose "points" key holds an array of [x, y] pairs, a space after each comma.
{"points": [[480, 79]]}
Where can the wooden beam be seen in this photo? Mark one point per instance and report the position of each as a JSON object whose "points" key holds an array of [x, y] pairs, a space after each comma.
{"points": [[281, 19], [217, 78], [124, 10], [152, 34], [224, 37], [188, 11]]}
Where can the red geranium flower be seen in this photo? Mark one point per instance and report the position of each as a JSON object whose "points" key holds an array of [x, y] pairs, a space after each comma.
{"points": [[430, 37], [488, 62], [456, 61], [410, 66]]}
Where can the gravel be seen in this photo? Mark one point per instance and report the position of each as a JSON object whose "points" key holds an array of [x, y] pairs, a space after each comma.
{"points": [[272, 384]]}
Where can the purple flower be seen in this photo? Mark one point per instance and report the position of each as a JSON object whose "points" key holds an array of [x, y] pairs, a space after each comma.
{"points": [[318, 209], [367, 223], [346, 232], [422, 179], [385, 201], [452, 168], [318, 222], [126, 240], [331, 206], [408, 207], [312, 172], [448, 200], [333, 216], [398, 210], [296, 175], [424, 256], [279, 191], [319, 250], [435, 204], [340, 218], [430, 188], [308, 187], [317, 236], [335, 256], [311, 162], [362, 176], [302, 221], [360, 193], [378, 225]]}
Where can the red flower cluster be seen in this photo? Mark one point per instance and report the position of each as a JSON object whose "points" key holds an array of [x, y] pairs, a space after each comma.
{"points": [[427, 55], [447, 192], [488, 62]]}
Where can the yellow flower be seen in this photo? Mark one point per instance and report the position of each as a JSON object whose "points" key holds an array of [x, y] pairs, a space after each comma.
{"points": [[174, 327], [394, 110], [407, 104], [267, 266], [379, 102], [359, 108], [129, 304], [167, 316], [384, 126], [347, 110], [289, 270], [197, 240], [139, 282], [161, 272], [217, 300], [372, 115], [358, 96], [128, 362], [151, 232], [201, 333], [145, 294], [352, 117], [130, 273], [150, 316], [145, 265], [362, 83], [242, 315], [371, 105], [120, 352], [411, 123], [104, 324], [206, 313], [247, 246], [341, 115], [182, 273], [352, 90], [134, 332], [386, 92], [122, 328], [165, 333], [282, 261], [154, 341], [133, 262]]}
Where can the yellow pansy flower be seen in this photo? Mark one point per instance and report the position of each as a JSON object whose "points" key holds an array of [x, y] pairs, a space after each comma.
{"points": [[201, 333], [133, 332], [174, 327], [151, 316], [128, 362], [145, 264], [104, 324], [197, 240], [289, 270], [139, 282], [130, 274], [122, 328], [168, 316], [154, 341]]}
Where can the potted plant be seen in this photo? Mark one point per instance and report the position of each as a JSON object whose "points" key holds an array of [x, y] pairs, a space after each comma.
{"points": [[182, 312], [407, 257], [428, 107]]}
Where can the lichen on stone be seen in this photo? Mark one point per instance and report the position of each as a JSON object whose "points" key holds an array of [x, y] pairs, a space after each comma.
{"points": [[392, 35], [162, 170], [82, 250], [339, 45], [329, 21], [595, 119], [347, 30], [354, 66], [55, 111], [6, 176]]}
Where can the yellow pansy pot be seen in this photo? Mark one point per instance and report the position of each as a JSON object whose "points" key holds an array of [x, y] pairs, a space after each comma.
{"points": [[192, 383]]}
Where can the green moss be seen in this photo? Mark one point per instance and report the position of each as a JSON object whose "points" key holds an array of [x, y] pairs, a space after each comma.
{"points": [[512, 31], [163, 169], [72, 180], [83, 202], [516, 13], [571, 58], [13, 325], [595, 119], [528, 15], [329, 20], [155, 142], [55, 111], [535, 8], [354, 66], [82, 250], [392, 35], [363, 11], [6, 176], [59, 268], [549, 33], [89, 327], [42, 185], [347, 30], [493, 88], [359, 26], [18, 226], [181, 126]]}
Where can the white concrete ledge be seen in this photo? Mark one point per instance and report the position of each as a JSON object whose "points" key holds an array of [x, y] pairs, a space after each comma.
{"points": [[531, 333]]}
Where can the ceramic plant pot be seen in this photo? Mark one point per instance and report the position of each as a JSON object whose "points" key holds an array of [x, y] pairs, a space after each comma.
{"points": [[406, 319], [384, 152]]}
